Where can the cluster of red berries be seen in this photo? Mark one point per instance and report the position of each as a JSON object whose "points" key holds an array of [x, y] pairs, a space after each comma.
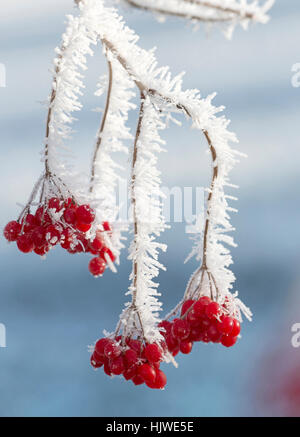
{"points": [[201, 320], [135, 361], [61, 222]]}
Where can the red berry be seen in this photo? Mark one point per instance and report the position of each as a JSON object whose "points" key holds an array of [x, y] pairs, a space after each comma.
{"points": [[85, 214], [30, 222], [70, 203], [130, 372], [53, 234], [166, 327], [137, 380], [25, 243], [82, 227], [212, 310], [147, 373], [153, 353], [106, 368], [106, 226], [130, 357], [70, 215], [236, 328], [186, 306], [55, 203], [160, 380], [97, 266], [12, 231], [38, 236], [42, 216], [134, 345], [214, 334], [180, 329], [96, 245], [195, 334], [95, 362], [117, 366], [42, 250], [226, 325], [100, 345], [228, 340], [186, 347], [172, 343], [105, 251], [67, 238], [112, 350], [199, 306]]}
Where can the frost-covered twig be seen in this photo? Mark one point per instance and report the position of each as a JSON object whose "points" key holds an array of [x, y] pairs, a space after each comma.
{"points": [[209, 11]]}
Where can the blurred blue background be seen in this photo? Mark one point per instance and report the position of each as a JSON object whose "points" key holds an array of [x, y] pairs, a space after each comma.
{"points": [[53, 309]]}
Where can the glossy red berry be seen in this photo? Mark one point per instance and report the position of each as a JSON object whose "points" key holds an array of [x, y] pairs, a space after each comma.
{"points": [[228, 340], [117, 366], [100, 345], [160, 380], [134, 345], [95, 362], [195, 334], [97, 266], [172, 343], [137, 380], [236, 328], [130, 357], [106, 226], [85, 214], [82, 227], [25, 243], [226, 325], [12, 230], [130, 372], [180, 329], [38, 236], [166, 327], [96, 245], [70, 216], [186, 306], [53, 234], [30, 222], [67, 238], [213, 333], [42, 250], [212, 310], [186, 347], [42, 216], [55, 203], [147, 373], [106, 367], [153, 353], [112, 350], [200, 305]]}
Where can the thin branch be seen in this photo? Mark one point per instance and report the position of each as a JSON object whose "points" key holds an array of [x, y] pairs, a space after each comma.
{"points": [[133, 201], [175, 13], [99, 139], [218, 8]]}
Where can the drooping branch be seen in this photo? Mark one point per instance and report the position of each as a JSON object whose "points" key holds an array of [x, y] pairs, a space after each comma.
{"points": [[205, 11], [99, 137]]}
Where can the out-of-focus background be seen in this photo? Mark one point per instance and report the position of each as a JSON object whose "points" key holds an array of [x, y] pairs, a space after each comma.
{"points": [[52, 309]]}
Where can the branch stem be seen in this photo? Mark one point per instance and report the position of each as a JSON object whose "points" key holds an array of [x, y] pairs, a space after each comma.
{"points": [[104, 118]]}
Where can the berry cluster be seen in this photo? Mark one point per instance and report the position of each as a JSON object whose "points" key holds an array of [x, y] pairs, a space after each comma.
{"points": [[134, 360], [201, 320], [61, 222]]}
